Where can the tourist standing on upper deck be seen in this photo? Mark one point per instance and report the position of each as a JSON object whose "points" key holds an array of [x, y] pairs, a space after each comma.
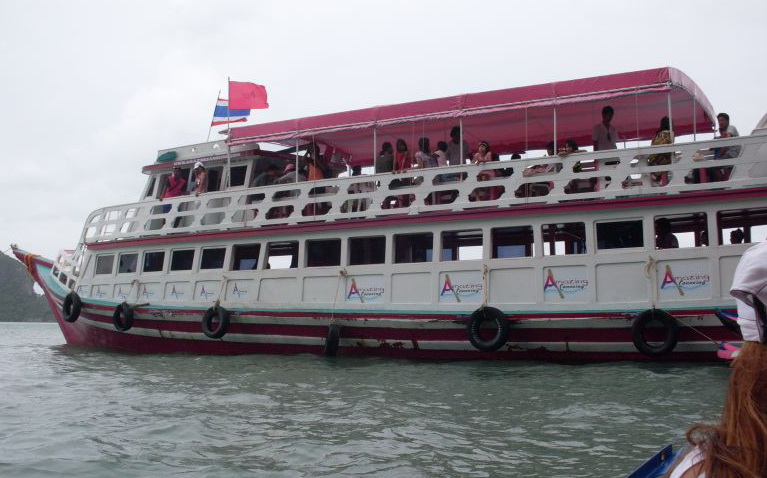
{"points": [[385, 160], [200, 179], [603, 134], [441, 153], [402, 158], [174, 186], [457, 150], [424, 157], [726, 130]]}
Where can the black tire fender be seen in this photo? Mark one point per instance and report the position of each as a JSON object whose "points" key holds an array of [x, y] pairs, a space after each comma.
{"points": [[122, 317], [221, 315], [331, 341], [70, 309], [669, 323], [482, 315]]}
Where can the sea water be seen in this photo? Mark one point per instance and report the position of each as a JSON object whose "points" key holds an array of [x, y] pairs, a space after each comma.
{"points": [[69, 411]]}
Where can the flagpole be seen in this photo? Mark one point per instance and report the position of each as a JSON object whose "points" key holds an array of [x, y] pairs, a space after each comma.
{"points": [[214, 116], [228, 132]]}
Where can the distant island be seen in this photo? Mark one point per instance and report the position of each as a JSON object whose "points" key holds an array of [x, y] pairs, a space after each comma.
{"points": [[18, 300]]}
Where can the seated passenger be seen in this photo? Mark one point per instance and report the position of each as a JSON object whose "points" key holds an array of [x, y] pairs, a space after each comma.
{"points": [[664, 238], [737, 236], [290, 175], [542, 168], [267, 177], [441, 153], [483, 154]]}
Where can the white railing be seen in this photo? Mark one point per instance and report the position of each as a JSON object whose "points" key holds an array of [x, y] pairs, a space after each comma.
{"points": [[607, 174]]}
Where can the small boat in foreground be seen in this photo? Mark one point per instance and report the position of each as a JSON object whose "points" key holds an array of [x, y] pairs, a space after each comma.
{"points": [[658, 465], [546, 257]]}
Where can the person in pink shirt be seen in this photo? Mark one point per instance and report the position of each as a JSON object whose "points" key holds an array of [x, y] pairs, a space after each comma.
{"points": [[174, 186]]}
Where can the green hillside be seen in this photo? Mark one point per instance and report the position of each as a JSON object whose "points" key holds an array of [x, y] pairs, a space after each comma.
{"points": [[18, 300]]}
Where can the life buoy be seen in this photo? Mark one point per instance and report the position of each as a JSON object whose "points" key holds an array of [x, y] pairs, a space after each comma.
{"points": [[122, 317], [331, 341], [71, 307], [669, 324], [220, 315], [486, 314]]}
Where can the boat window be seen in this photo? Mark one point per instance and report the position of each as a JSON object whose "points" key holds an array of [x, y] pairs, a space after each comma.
{"points": [[213, 258], [681, 230], [153, 261], [413, 247], [367, 250], [105, 264], [512, 242], [325, 252], [214, 179], [127, 263], [462, 245], [564, 238], [150, 188], [619, 234], [238, 175], [751, 224], [182, 260], [245, 257], [282, 255]]}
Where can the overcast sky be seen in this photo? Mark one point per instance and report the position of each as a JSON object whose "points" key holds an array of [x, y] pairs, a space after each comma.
{"points": [[92, 89]]}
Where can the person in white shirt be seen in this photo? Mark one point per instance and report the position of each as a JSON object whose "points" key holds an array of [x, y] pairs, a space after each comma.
{"points": [[603, 134]]}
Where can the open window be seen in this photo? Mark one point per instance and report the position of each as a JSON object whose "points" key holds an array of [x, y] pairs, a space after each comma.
{"points": [[681, 230], [410, 248], [181, 260], [213, 258], [323, 252], [367, 250], [282, 255], [745, 225], [564, 238], [153, 261], [245, 257], [514, 241], [619, 234], [462, 245]]}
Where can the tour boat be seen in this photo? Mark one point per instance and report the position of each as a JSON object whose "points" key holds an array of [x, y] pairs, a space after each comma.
{"points": [[544, 257]]}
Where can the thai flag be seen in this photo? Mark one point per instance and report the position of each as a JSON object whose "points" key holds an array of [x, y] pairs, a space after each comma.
{"points": [[223, 115]]}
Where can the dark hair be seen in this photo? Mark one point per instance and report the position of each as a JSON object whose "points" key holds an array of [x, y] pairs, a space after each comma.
{"points": [[608, 110], [401, 145], [356, 168], [724, 115], [273, 167], [423, 144], [387, 148], [442, 146], [516, 156], [455, 132], [572, 143], [487, 145], [665, 124], [550, 146], [663, 225]]}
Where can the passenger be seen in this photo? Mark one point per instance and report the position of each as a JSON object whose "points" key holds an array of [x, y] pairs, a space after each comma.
{"points": [[200, 179], [664, 135], [483, 154], [267, 177], [354, 205], [402, 159], [737, 236], [603, 134], [542, 168], [174, 186], [571, 146], [457, 153], [290, 175], [664, 238], [424, 157], [735, 446], [385, 160], [441, 153], [726, 130], [315, 163]]}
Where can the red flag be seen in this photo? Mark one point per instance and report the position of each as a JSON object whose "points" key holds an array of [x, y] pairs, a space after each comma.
{"points": [[247, 95]]}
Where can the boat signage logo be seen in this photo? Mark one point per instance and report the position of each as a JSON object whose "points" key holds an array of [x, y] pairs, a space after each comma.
{"points": [[146, 293], [461, 287], [568, 282], [238, 291], [365, 289], [689, 280]]}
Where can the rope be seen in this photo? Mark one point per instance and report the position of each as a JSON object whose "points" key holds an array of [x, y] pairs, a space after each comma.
{"points": [[649, 272], [698, 331], [221, 291], [342, 274], [485, 285]]}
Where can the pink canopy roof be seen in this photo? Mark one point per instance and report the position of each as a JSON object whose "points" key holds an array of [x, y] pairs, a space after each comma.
{"points": [[511, 120]]}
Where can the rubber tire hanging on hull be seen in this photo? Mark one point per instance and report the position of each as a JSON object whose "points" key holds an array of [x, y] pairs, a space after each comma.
{"points": [[501, 333], [221, 315], [640, 324], [122, 317], [331, 341], [70, 309]]}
